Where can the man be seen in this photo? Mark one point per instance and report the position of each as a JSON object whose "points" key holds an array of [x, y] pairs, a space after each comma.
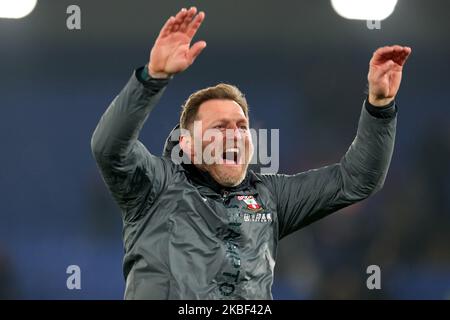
{"points": [[210, 229]]}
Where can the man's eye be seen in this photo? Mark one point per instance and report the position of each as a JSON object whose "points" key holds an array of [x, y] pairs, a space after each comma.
{"points": [[243, 128]]}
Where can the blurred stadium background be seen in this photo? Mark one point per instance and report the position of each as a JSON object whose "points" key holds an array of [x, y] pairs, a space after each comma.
{"points": [[303, 69]]}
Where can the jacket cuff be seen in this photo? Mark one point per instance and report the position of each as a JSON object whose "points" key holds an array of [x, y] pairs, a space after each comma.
{"points": [[144, 78], [385, 112]]}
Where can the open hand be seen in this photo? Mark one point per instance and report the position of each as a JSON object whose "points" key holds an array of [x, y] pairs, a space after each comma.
{"points": [[385, 73], [172, 52]]}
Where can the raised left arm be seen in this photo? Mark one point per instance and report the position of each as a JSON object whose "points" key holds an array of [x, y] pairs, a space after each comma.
{"points": [[308, 196]]}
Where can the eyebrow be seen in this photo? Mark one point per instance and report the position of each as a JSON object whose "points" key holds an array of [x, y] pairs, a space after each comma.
{"points": [[241, 120]]}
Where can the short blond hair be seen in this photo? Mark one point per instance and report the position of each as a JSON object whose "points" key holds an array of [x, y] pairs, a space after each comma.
{"points": [[220, 91]]}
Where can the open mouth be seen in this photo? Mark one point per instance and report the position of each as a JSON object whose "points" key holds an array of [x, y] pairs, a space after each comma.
{"points": [[231, 156]]}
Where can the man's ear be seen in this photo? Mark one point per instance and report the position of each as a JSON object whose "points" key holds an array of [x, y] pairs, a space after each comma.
{"points": [[186, 144]]}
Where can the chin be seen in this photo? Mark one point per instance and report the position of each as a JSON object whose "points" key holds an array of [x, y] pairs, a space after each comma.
{"points": [[229, 176]]}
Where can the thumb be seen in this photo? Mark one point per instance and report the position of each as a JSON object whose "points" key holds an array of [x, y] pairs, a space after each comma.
{"points": [[195, 50]]}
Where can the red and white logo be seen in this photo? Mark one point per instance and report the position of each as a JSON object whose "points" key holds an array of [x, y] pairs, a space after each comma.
{"points": [[250, 202]]}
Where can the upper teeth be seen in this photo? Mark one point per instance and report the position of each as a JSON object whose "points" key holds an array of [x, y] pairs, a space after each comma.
{"points": [[232, 150]]}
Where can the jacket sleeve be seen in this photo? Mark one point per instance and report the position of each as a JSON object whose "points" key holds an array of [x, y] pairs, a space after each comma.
{"points": [[306, 197], [133, 175]]}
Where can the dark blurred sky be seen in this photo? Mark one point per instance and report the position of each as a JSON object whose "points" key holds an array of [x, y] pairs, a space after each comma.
{"points": [[302, 67]]}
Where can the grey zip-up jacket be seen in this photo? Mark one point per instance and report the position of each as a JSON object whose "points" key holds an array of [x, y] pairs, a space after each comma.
{"points": [[186, 237]]}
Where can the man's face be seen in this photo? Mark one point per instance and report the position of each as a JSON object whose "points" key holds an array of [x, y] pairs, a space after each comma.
{"points": [[225, 140]]}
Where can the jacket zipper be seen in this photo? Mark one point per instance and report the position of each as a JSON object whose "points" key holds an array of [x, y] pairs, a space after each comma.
{"points": [[225, 195]]}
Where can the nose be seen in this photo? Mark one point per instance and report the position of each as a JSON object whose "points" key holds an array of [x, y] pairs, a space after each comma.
{"points": [[233, 133]]}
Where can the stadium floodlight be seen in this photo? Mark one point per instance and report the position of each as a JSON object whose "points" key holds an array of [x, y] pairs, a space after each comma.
{"points": [[16, 9], [364, 9]]}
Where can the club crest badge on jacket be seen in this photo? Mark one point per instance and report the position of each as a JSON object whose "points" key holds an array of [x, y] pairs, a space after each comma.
{"points": [[251, 203]]}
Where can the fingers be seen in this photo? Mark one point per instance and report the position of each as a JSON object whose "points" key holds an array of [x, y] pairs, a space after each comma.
{"points": [[382, 54], [173, 23], [383, 51], [194, 25], [179, 18], [166, 29], [401, 56], [190, 15], [195, 50], [186, 21], [396, 53]]}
